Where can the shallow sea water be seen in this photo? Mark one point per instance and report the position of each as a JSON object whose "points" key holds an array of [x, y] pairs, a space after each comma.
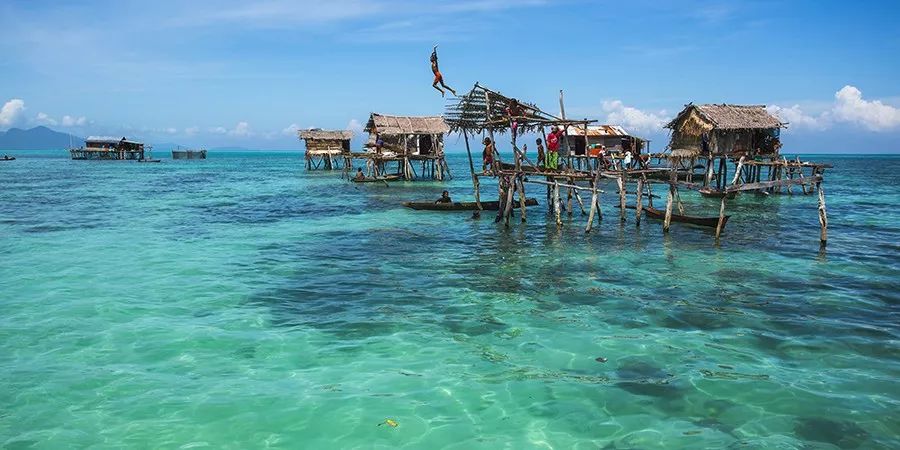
{"points": [[242, 302]]}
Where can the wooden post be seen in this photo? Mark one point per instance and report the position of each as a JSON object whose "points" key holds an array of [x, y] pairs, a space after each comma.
{"points": [[577, 196], [621, 183], [669, 200], [800, 172], [477, 212], [595, 201], [823, 217], [510, 189], [522, 197], [721, 222], [556, 203], [638, 207]]}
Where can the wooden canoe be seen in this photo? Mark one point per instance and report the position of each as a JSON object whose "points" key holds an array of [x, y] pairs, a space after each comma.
{"points": [[713, 193], [463, 206], [376, 179], [149, 160], [701, 221], [8, 158]]}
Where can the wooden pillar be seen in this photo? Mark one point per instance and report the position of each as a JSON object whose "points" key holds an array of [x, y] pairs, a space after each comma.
{"points": [[823, 216], [522, 197], [621, 183], [556, 201], [721, 222], [477, 212], [508, 205], [669, 200], [638, 207]]}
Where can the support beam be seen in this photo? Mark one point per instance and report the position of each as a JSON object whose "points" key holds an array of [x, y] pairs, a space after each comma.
{"points": [[823, 216]]}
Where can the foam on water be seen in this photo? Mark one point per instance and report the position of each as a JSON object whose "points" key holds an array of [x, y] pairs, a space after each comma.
{"points": [[241, 302]]}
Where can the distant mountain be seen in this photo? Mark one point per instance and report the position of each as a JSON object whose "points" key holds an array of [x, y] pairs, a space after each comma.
{"points": [[37, 138]]}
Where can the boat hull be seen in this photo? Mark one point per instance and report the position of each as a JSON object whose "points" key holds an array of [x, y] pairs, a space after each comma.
{"points": [[463, 206], [188, 154], [701, 221]]}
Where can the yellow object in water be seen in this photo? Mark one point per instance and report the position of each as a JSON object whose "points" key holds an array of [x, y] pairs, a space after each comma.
{"points": [[389, 422]]}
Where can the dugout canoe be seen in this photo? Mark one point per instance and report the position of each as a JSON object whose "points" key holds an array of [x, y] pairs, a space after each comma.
{"points": [[701, 221], [714, 193], [463, 206], [376, 179]]}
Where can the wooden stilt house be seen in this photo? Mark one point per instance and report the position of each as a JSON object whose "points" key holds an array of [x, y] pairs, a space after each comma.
{"points": [[398, 145], [325, 148]]}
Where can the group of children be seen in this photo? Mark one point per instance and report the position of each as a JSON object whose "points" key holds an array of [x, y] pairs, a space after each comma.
{"points": [[546, 160]]}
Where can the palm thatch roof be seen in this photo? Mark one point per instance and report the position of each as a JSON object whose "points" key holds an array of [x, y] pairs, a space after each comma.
{"points": [[396, 125], [326, 135], [728, 117], [485, 109], [600, 131]]}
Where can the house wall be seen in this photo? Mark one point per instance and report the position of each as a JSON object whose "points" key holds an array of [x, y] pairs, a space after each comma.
{"points": [[320, 146]]}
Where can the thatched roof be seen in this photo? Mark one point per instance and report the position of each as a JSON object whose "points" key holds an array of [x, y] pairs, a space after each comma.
{"points": [[331, 135], [394, 125], [485, 109], [730, 117]]}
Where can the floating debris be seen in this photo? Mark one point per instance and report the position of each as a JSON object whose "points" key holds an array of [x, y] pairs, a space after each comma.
{"points": [[600, 359], [390, 422]]}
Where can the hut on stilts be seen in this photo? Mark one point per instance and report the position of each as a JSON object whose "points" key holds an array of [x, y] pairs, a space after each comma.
{"points": [[325, 148], [397, 145], [708, 136], [485, 111]]}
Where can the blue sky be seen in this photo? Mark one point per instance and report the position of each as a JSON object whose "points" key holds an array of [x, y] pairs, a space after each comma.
{"points": [[243, 73]]}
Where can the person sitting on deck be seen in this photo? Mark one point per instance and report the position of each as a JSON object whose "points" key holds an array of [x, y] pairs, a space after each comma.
{"points": [[359, 174], [541, 158], [379, 144], [438, 78], [445, 198], [553, 148], [487, 156]]}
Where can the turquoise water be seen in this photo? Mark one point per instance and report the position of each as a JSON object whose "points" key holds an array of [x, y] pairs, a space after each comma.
{"points": [[241, 302]]}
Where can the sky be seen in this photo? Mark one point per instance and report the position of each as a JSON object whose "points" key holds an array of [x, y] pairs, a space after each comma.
{"points": [[251, 73]]}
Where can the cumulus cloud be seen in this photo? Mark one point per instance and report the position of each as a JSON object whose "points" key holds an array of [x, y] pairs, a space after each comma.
{"points": [[171, 130], [291, 130], [242, 129], [218, 130], [70, 121], [11, 112], [45, 119], [190, 131], [799, 119], [632, 118], [849, 107]]}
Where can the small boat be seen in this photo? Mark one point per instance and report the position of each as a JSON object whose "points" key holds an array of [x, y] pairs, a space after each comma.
{"points": [[376, 179], [146, 160], [8, 158], [701, 221], [188, 154], [714, 193], [463, 206]]}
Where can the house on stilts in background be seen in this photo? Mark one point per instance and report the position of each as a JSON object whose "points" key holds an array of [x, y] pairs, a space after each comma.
{"points": [[586, 143], [403, 147], [324, 148], [109, 148]]}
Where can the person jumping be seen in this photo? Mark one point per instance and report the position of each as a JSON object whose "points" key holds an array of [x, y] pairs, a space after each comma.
{"points": [[438, 78]]}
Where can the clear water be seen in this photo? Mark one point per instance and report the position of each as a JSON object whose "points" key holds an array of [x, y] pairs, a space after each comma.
{"points": [[241, 302]]}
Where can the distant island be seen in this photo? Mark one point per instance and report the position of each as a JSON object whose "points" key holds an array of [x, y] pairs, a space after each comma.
{"points": [[37, 138]]}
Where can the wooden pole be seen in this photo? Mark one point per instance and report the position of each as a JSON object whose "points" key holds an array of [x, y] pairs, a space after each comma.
{"points": [[823, 216], [621, 183], [669, 200], [522, 197], [510, 189], [595, 201], [556, 201], [638, 208], [477, 212], [721, 222]]}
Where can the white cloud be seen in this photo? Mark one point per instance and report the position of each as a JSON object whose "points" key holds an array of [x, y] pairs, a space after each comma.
{"points": [[44, 119], [171, 130], [355, 126], [70, 121], [242, 129], [11, 113], [218, 130], [796, 118], [291, 130], [190, 131], [849, 106], [634, 119]]}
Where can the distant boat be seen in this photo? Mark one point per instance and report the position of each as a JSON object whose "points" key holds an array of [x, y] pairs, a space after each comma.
{"points": [[376, 179], [188, 154], [714, 193], [151, 160], [8, 158]]}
